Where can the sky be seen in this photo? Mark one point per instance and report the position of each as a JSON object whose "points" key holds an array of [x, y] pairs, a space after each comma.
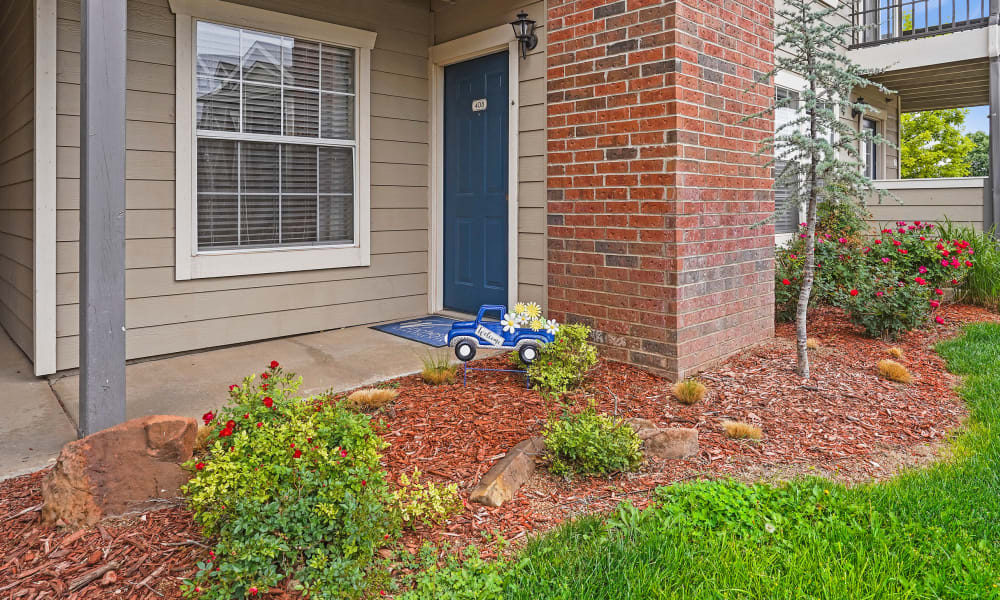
{"points": [[977, 119]]}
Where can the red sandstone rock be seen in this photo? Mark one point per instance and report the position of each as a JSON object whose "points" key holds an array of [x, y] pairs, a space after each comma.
{"points": [[118, 470]]}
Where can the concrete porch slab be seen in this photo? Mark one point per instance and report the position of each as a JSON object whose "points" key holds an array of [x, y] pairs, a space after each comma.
{"points": [[191, 384], [33, 428]]}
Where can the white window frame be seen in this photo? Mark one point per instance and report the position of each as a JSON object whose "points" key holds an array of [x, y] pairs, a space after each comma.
{"points": [[194, 264]]}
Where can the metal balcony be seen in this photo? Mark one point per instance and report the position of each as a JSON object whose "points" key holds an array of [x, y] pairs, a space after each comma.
{"points": [[886, 21]]}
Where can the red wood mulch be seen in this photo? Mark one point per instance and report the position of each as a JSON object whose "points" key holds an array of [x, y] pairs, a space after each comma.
{"points": [[844, 422]]}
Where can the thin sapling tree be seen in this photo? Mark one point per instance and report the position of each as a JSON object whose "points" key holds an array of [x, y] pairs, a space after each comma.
{"points": [[818, 148]]}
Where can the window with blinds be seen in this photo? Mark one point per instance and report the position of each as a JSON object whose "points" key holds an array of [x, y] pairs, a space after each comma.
{"points": [[786, 216], [276, 140]]}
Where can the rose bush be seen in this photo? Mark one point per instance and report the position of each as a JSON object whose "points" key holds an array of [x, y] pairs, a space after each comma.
{"points": [[888, 284], [290, 489]]}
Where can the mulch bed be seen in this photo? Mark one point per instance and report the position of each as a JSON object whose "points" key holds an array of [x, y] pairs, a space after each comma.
{"points": [[844, 422]]}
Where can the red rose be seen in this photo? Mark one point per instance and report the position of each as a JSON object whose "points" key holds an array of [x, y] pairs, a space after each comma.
{"points": [[230, 424], [343, 453], [207, 417], [968, 263], [252, 591], [274, 364], [200, 466], [264, 386], [878, 241], [264, 375], [940, 320], [939, 292], [363, 483], [940, 246], [246, 415], [786, 282], [935, 303], [854, 292], [233, 387], [268, 402], [293, 445], [226, 432], [259, 424], [297, 454]]}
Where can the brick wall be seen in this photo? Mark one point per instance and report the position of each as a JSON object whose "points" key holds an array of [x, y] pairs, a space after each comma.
{"points": [[652, 179]]}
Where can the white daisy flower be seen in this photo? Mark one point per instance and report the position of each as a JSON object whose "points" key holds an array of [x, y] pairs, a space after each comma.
{"points": [[510, 323], [551, 326]]}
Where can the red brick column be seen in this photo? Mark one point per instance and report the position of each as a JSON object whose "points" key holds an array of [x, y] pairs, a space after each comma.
{"points": [[652, 180]]}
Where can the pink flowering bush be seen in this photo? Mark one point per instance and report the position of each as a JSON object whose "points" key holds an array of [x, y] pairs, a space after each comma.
{"points": [[291, 489], [901, 276], [889, 284]]}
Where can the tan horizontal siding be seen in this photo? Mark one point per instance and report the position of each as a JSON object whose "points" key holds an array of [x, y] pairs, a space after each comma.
{"points": [[167, 316], [455, 21], [17, 139], [961, 205]]}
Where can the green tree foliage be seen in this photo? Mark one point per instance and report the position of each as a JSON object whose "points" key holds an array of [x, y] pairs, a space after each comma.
{"points": [[979, 156], [933, 144]]}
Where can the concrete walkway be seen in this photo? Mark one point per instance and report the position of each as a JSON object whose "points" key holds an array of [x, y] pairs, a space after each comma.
{"points": [[44, 418], [33, 427]]}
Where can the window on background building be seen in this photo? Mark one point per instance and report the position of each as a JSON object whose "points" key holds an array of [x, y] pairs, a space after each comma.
{"points": [[276, 135], [787, 215], [869, 151]]}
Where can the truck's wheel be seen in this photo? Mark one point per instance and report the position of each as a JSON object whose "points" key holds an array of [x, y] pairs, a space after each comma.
{"points": [[465, 351], [528, 353]]}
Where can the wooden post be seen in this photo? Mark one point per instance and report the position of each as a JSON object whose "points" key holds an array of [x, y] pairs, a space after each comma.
{"points": [[102, 214]]}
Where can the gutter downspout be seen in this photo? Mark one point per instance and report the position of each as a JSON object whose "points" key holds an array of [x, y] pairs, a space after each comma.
{"points": [[991, 203]]}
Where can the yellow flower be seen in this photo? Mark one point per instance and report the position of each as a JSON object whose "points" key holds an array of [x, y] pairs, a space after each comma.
{"points": [[533, 310], [537, 325], [520, 308]]}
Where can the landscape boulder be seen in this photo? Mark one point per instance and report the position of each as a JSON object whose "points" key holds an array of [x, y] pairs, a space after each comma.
{"points": [[502, 481], [118, 470], [674, 442]]}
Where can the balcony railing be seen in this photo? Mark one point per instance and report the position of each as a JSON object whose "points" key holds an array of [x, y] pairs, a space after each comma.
{"points": [[884, 21]]}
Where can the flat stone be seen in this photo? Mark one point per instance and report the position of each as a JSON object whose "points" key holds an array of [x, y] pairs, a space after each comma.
{"points": [[502, 481], [118, 470], [673, 443], [638, 424], [645, 434]]}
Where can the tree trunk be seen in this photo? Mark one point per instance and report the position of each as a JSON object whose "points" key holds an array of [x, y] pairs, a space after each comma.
{"points": [[802, 309]]}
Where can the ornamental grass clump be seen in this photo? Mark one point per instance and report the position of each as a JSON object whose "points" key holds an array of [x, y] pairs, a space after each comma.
{"points": [[894, 371], [812, 344], [896, 352], [589, 443], [438, 369], [370, 399], [290, 489], [742, 431], [689, 391]]}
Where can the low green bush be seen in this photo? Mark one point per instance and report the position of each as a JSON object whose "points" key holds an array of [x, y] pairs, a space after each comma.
{"points": [[562, 364], [459, 577], [428, 503], [588, 443], [982, 283], [291, 488]]}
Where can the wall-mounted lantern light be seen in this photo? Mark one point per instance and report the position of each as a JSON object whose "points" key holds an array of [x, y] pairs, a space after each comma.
{"points": [[855, 111], [524, 31]]}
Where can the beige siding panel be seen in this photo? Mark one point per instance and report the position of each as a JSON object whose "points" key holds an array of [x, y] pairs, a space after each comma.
{"points": [[400, 108], [531, 194], [166, 315], [531, 168], [531, 271], [180, 337], [17, 139], [531, 245], [159, 281], [962, 205], [531, 118], [531, 220], [527, 292]]}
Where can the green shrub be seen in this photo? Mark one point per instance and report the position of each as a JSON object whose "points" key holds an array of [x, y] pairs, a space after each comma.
{"points": [[588, 443], [427, 503], [290, 488], [885, 305], [982, 283], [467, 577], [562, 364]]}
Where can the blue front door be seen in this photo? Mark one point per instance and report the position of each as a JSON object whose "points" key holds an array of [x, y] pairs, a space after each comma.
{"points": [[475, 183]]}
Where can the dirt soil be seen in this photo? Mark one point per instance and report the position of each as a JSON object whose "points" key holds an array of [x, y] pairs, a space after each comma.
{"points": [[845, 422]]}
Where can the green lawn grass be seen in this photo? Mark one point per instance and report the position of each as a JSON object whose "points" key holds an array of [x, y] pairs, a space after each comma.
{"points": [[929, 533]]}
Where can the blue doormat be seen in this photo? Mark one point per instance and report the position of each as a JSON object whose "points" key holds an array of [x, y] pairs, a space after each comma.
{"points": [[431, 330]]}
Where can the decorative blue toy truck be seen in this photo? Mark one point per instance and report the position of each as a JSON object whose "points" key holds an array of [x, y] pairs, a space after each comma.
{"points": [[524, 330]]}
